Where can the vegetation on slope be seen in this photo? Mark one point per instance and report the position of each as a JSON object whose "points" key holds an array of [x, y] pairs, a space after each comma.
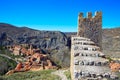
{"points": [[68, 75], [30, 75], [6, 64]]}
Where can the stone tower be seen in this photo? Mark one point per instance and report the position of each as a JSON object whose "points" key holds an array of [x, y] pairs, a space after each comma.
{"points": [[91, 27], [87, 60]]}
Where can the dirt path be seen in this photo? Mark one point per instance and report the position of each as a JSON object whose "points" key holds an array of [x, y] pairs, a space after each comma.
{"points": [[61, 74]]}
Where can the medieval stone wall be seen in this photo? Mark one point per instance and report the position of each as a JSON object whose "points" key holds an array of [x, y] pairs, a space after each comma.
{"points": [[87, 60], [91, 27]]}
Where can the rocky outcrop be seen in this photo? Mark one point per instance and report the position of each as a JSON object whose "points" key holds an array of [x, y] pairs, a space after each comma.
{"points": [[114, 66], [43, 39]]}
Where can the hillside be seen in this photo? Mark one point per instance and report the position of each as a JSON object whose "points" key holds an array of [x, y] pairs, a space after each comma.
{"points": [[55, 43], [30, 75], [111, 42]]}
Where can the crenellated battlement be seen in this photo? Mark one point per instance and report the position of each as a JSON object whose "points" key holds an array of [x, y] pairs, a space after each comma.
{"points": [[91, 27], [89, 15], [98, 14]]}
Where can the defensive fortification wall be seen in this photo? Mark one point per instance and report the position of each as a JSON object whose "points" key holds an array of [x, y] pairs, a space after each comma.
{"points": [[91, 27]]}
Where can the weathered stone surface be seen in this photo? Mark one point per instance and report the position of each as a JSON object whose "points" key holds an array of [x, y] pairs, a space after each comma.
{"points": [[85, 66], [91, 27]]}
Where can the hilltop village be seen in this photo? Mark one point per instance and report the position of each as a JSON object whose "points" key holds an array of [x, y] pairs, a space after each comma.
{"points": [[31, 59]]}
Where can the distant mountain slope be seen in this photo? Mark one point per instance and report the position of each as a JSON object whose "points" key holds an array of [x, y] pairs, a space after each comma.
{"points": [[111, 42], [31, 36], [53, 42]]}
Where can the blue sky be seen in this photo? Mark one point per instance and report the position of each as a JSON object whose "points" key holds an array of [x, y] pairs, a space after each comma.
{"points": [[60, 15]]}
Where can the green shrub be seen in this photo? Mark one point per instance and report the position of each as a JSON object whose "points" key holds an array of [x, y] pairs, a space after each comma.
{"points": [[6, 64], [118, 73], [109, 58], [2, 78], [1, 47], [68, 74]]}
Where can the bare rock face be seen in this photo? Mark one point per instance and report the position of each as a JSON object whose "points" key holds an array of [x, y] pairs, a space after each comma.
{"points": [[41, 39], [114, 66]]}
